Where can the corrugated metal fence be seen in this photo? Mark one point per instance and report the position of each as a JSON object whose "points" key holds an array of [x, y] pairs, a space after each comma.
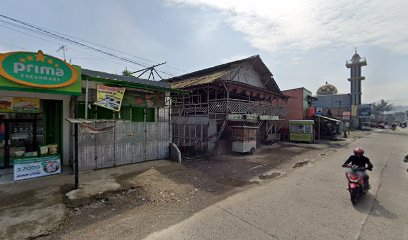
{"points": [[127, 142]]}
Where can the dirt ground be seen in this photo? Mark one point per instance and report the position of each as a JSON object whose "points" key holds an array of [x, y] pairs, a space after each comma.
{"points": [[165, 195]]}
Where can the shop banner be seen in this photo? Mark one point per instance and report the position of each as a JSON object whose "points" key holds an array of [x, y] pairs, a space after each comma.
{"points": [[353, 110], [19, 105], [268, 117], [26, 105], [109, 97], [150, 100], [38, 72], [26, 168]]}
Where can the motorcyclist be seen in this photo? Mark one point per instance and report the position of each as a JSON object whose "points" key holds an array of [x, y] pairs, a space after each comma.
{"points": [[361, 161]]}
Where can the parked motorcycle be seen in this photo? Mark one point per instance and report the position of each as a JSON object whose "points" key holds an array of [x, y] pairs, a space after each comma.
{"points": [[356, 185]]}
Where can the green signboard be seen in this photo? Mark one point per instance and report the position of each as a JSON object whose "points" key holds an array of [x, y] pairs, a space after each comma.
{"points": [[38, 72]]}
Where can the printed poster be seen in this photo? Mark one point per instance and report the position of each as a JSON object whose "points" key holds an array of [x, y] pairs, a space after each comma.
{"points": [[26, 105], [26, 168], [19, 104], [109, 97]]}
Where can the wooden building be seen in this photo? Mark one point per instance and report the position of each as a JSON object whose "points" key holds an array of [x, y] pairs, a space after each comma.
{"points": [[238, 93]]}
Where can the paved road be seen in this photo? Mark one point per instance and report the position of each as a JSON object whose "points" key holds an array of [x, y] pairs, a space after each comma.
{"points": [[312, 202]]}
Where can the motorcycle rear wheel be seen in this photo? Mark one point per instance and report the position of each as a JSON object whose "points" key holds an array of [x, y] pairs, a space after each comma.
{"points": [[354, 195]]}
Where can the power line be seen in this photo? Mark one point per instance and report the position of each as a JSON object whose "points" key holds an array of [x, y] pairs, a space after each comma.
{"points": [[52, 34]]}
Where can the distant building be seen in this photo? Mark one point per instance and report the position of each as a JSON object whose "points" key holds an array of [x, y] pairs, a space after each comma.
{"points": [[298, 102], [333, 104]]}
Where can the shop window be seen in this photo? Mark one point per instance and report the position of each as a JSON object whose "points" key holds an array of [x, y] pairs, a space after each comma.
{"points": [[104, 113], [137, 114], [124, 113], [91, 110], [150, 115]]}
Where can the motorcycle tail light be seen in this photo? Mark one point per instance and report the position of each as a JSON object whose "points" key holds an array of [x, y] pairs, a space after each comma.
{"points": [[353, 178]]}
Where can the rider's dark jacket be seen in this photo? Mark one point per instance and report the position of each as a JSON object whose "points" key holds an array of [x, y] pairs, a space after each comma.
{"points": [[360, 161]]}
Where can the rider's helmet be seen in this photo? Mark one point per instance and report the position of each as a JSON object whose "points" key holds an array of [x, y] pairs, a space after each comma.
{"points": [[358, 151]]}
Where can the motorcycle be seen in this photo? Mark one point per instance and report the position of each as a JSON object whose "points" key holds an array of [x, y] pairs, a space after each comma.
{"points": [[356, 185]]}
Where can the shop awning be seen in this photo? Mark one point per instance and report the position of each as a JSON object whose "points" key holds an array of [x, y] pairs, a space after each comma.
{"points": [[327, 118]]}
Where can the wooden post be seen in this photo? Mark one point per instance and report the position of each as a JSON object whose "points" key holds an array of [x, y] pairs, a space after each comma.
{"points": [[76, 168], [76, 155]]}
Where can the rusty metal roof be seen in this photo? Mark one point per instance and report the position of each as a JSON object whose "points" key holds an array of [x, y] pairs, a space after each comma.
{"points": [[199, 80]]}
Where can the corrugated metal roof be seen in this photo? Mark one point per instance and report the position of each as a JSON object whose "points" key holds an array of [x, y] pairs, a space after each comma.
{"points": [[255, 61], [199, 80], [129, 79]]}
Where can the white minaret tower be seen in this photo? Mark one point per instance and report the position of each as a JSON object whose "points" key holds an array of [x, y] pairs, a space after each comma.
{"points": [[355, 79]]}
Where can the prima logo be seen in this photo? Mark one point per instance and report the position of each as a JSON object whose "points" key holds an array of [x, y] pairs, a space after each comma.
{"points": [[37, 70], [30, 68]]}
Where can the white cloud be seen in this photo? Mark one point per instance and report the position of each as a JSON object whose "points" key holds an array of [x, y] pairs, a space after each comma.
{"points": [[305, 24]]}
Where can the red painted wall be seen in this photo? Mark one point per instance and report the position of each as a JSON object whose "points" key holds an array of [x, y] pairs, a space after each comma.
{"points": [[294, 106]]}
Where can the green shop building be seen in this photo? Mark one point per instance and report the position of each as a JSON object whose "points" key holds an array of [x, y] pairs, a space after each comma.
{"points": [[120, 119]]}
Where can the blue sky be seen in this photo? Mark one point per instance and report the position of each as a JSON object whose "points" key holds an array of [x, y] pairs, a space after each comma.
{"points": [[303, 42]]}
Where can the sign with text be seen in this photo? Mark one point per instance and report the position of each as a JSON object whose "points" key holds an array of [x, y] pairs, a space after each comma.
{"points": [[110, 97], [346, 115], [268, 117], [27, 168], [29, 71], [235, 116]]}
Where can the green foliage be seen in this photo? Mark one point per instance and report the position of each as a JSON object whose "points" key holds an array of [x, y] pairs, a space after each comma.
{"points": [[126, 72], [379, 108]]}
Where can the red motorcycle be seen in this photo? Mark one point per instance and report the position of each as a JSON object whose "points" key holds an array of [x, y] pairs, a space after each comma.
{"points": [[356, 185]]}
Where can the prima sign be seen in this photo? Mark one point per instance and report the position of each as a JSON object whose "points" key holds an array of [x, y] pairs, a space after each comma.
{"points": [[37, 70]]}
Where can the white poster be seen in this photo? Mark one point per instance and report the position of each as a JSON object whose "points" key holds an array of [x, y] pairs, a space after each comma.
{"points": [[26, 168]]}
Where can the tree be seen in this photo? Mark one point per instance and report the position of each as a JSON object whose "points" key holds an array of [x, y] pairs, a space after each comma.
{"points": [[379, 108], [126, 72]]}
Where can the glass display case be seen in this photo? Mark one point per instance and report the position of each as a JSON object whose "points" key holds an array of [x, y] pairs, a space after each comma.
{"points": [[20, 136]]}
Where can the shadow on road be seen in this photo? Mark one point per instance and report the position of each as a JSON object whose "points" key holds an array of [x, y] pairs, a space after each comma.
{"points": [[377, 210]]}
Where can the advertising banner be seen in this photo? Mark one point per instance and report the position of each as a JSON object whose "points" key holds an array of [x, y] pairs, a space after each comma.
{"points": [[353, 110], [235, 116], [19, 105], [364, 110], [27, 168], [109, 97], [268, 117], [26, 105], [140, 99]]}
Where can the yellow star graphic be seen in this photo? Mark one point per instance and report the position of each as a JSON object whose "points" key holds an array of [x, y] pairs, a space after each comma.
{"points": [[22, 60], [30, 58], [40, 56], [50, 61], [56, 65]]}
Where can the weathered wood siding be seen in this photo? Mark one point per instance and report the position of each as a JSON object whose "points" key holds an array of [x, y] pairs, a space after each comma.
{"points": [[128, 142]]}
